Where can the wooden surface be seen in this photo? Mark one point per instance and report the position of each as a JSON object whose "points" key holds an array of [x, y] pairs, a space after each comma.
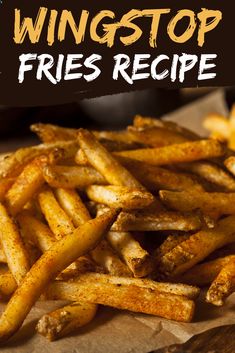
{"points": [[218, 340]]}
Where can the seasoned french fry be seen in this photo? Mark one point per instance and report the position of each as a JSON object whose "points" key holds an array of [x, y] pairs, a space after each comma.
{"points": [[49, 133], [63, 321], [140, 221], [14, 250], [223, 285], [177, 153], [14, 164], [7, 285], [153, 177], [198, 247], [105, 257], [218, 124], [123, 136], [72, 176], [2, 256], [203, 274], [106, 164], [119, 196], [55, 260], [212, 173], [169, 243], [72, 204], [127, 297], [59, 222], [136, 258], [5, 185], [26, 185], [209, 203]]}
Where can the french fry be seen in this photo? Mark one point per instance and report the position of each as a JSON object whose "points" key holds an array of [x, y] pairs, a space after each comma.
{"points": [[7, 285], [119, 196], [198, 247], [5, 185], [177, 153], [63, 321], [210, 203], [230, 164], [127, 297], [72, 204], [26, 185], [137, 259], [169, 243], [140, 221], [123, 136], [60, 223], [154, 177], [212, 173], [223, 285], [104, 162], [205, 273], [55, 260], [218, 124], [2, 256], [14, 250], [49, 133], [13, 165], [104, 256], [72, 176]]}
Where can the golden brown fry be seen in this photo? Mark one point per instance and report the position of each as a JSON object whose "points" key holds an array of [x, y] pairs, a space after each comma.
{"points": [[59, 222], [104, 256], [203, 274], [106, 164], [140, 221], [5, 185], [198, 247], [153, 177], [49, 133], [169, 243], [127, 297], [137, 259], [72, 204], [218, 124], [14, 164], [17, 258], [123, 136], [212, 173], [2, 256], [26, 185], [7, 285], [55, 260], [119, 196], [223, 285], [63, 321], [213, 203], [178, 153]]}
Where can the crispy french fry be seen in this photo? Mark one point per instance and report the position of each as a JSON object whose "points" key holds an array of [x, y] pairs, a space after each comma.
{"points": [[72, 204], [55, 260], [59, 222], [17, 258], [136, 258], [63, 321], [72, 176], [218, 124], [14, 164], [223, 285], [203, 274], [147, 122], [140, 221], [198, 247], [169, 243], [127, 297], [177, 153], [7, 285], [212, 173], [123, 136], [153, 177], [49, 133], [26, 185], [5, 185], [104, 162], [104, 256], [119, 196], [209, 203]]}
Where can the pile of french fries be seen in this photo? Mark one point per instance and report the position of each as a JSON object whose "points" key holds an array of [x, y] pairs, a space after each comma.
{"points": [[138, 219]]}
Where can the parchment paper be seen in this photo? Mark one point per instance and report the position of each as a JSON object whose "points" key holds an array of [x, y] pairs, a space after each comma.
{"points": [[115, 331]]}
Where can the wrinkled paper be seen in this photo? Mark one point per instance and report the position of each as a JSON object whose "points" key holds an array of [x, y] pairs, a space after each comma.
{"points": [[115, 331]]}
